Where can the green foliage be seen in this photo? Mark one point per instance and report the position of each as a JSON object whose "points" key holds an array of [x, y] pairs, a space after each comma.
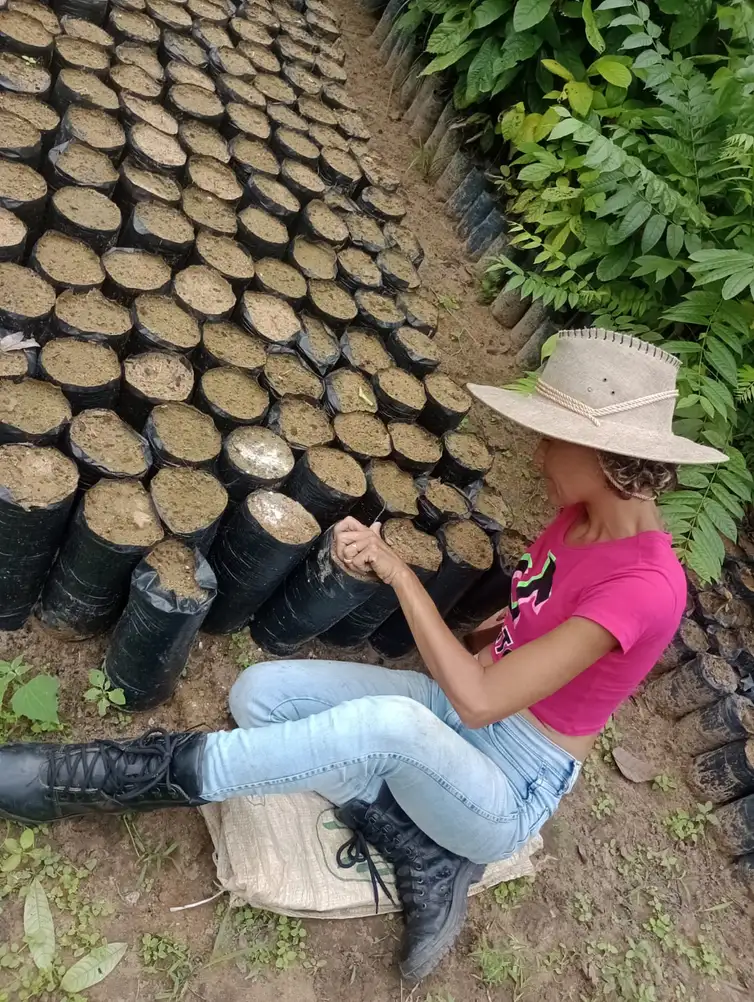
{"points": [[255, 939], [172, 961], [102, 694], [32, 706], [498, 965], [511, 893], [151, 856], [688, 827]]}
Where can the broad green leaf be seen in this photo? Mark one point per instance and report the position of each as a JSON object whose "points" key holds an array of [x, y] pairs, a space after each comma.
{"points": [[489, 11], [653, 231], [592, 32], [722, 359], [616, 202], [674, 239], [527, 13], [26, 839], [613, 4], [615, 262], [443, 62], [623, 20], [689, 477], [736, 484], [93, 968], [5, 681], [557, 69], [480, 76], [97, 677], [10, 863], [646, 59], [685, 29], [566, 127], [728, 500], [711, 534], [736, 283], [448, 36], [39, 929], [721, 518], [517, 49], [511, 121], [37, 699], [635, 217], [118, 697], [612, 70], [638, 41], [579, 96], [534, 173]]}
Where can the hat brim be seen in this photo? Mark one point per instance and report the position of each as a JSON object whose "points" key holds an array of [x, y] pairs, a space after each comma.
{"points": [[549, 419]]}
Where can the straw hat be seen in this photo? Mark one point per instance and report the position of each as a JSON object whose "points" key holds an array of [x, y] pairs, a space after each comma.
{"points": [[608, 391]]}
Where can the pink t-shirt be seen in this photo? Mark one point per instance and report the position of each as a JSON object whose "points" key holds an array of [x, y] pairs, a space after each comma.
{"points": [[635, 588]]}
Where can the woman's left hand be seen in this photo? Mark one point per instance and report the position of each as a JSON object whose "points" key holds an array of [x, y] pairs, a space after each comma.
{"points": [[363, 549]]}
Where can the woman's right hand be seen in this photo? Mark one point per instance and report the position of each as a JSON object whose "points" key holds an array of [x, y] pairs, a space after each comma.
{"points": [[364, 549]]}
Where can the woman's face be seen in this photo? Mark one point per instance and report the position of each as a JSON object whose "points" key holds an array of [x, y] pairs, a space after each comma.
{"points": [[572, 472]]}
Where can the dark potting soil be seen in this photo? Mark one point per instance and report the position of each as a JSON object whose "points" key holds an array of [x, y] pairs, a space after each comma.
{"points": [[232, 346], [271, 318], [136, 269], [353, 391], [157, 146], [363, 434], [162, 316], [158, 186], [447, 393], [86, 166], [205, 209], [493, 506], [70, 362], [90, 88], [204, 140], [316, 260], [67, 261], [226, 256], [210, 175], [24, 292], [469, 543], [367, 351], [164, 222], [35, 477], [395, 486], [142, 56], [338, 470], [259, 452], [13, 364], [693, 636], [415, 442], [108, 441], [32, 406], [186, 499], [87, 208], [402, 387], [159, 375], [235, 392], [289, 375], [416, 548], [302, 424], [285, 519], [175, 564], [122, 512], [204, 291], [446, 498], [281, 279], [469, 450], [91, 313], [186, 433]]}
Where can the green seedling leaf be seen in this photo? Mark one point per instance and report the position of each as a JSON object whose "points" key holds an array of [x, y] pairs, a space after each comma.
{"points": [[93, 968], [10, 864], [97, 678], [118, 697], [530, 12], [37, 699], [26, 841], [39, 929]]}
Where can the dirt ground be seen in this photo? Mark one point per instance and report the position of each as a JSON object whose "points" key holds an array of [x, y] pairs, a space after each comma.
{"points": [[623, 906]]}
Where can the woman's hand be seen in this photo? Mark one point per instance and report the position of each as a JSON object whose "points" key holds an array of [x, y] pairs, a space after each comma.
{"points": [[364, 550]]}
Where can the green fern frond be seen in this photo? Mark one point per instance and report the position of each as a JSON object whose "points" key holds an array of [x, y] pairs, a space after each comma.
{"points": [[745, 388]]}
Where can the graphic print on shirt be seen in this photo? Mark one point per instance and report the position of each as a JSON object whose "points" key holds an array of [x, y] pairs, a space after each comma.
{"points": [[528, 588]]}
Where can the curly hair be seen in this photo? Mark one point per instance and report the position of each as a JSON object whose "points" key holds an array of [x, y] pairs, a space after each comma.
{"points": [[644, 479]]}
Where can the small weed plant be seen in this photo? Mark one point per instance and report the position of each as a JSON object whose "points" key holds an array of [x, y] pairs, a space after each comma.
{"points": [[499, 966], [512, 892], [664, 783], [102, 694], [28, 700], [688, 827]]}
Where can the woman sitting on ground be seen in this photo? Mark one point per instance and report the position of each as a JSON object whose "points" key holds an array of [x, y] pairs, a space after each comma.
{"points": [[445, 772]]}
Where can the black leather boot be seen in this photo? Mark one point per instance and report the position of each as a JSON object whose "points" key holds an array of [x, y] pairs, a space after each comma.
{"points": [[47, 782], [432, 882]]}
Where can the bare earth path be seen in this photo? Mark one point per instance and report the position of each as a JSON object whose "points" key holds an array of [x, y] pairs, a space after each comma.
{"points": [[620, 907]]}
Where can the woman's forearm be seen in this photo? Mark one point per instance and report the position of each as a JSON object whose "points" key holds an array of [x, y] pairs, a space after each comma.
{"points": [[457, 672]]}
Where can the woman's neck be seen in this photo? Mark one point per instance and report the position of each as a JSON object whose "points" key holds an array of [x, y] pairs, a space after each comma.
{"points": [[607, 517]]}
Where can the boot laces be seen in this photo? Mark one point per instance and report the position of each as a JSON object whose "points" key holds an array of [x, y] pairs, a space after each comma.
{"points": [[356, 851], [72, 769]]}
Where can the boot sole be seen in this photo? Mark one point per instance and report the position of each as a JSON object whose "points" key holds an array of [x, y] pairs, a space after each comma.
{"points": [[472, 874]]}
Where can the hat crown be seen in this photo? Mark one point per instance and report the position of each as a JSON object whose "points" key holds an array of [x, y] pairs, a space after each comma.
{"points": [[603, 369]]}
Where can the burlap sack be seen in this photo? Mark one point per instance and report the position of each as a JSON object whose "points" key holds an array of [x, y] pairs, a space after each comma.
{"points": [[279, 853]]}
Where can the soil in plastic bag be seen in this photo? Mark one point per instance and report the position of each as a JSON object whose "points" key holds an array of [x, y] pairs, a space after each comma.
{"points": [[253, 458], [89, 316], [447, 404], [231, 397], [400, 396], [468, 554], [37, 490], [190, 503], [423, 555], [317, 343], [439, 503], [327, 482], [413, 351], [86, 372], [257, 548], [172, 590], [490, 509], [391, 493], [491, 592], [414, 448], [32, 411], [181, 435], [465, 459], [103, 445], [300, 423], [318, 594], [114, 526], [151, 378]]}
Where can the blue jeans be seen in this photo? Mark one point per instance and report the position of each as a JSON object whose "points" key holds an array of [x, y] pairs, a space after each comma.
{"points": [[344, 729]]}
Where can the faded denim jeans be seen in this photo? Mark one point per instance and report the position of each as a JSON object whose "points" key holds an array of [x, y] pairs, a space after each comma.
{"points": [[343, 730]]}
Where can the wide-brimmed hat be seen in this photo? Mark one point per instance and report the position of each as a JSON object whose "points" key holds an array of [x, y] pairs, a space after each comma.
{"points": [[608, 391]]}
